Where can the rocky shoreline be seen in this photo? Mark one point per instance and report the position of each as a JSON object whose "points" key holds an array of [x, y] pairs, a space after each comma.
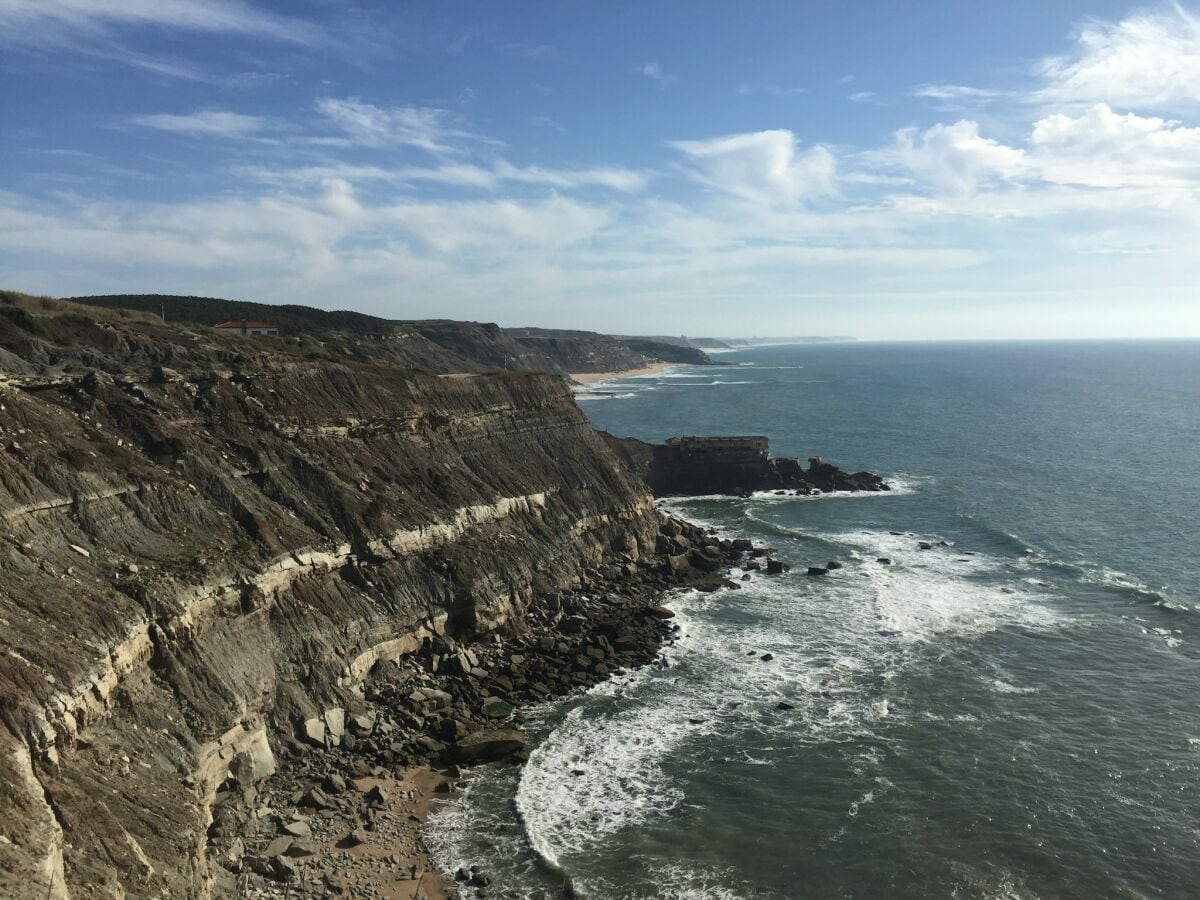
{"points": [[342, 813]]}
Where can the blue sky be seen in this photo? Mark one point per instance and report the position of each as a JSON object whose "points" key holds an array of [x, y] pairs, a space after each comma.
{"points": [[889, 170]]}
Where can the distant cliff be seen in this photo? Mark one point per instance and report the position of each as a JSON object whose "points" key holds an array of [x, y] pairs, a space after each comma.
{"points": [[432, 345]]}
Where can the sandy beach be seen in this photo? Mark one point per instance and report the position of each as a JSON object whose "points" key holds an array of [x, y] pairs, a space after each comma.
{"points": [[593, 377]]}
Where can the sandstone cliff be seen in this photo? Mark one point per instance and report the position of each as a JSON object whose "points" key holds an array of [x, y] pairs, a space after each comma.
{"points": [[207, 539]]}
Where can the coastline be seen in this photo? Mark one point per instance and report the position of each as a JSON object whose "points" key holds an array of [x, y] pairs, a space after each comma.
{"points": [[349, 819], [587, 378]]}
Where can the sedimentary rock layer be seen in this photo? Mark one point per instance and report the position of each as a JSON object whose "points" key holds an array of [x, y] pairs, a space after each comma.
{"points": [[205, 541]]}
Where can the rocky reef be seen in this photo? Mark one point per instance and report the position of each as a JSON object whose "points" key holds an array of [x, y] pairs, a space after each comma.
{"points": [[690, 466]]}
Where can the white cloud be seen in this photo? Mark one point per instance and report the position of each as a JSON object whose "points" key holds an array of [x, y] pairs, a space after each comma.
{"points": [[53, 21], [1102, 148], [762, 166], [462, 175], [954, 157], [204, 123], [1146, 61], [861, 96], [368, 125], [654, 71], [957, 93]]}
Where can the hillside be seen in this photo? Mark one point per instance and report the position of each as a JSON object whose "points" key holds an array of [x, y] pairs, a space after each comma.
{"points": [[434, 345]]}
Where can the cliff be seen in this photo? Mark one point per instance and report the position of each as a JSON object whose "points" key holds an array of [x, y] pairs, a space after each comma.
{"points": [[432, 345], [691, 466], [207, 540]]}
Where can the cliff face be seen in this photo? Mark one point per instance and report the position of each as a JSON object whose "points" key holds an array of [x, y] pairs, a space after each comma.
{"points": [[205, 540]]}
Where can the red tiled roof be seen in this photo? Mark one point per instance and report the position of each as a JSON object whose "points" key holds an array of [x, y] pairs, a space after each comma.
{"points": [[246, 325]]}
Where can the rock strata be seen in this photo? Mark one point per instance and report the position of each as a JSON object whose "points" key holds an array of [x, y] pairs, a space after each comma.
{"points": [[244, 583]]}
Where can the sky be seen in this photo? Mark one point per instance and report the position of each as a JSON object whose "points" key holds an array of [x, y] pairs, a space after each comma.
{"points": [[889, 170]]}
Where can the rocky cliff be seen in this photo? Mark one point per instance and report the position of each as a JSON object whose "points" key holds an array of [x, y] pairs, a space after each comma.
{"points": [[432, 345], [206, 540], [691, 466]]}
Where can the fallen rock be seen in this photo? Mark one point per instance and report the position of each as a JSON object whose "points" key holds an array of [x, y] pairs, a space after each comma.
{"points": [[817, 571], [298, 829], [313, 731], [488, 746]]}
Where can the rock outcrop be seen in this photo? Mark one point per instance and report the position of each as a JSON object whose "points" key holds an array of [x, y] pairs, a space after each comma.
{"points": [[691, 466], [206, 542]]}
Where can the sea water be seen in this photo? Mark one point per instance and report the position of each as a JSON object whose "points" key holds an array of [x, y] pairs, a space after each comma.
{"points": [[1012, 714]]}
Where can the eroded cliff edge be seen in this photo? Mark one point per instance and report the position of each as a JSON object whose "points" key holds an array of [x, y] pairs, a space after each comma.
{"points": [[205, 540]]}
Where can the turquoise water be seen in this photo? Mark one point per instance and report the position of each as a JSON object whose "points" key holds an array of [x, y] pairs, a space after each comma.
{"points": [[1014, 715]]}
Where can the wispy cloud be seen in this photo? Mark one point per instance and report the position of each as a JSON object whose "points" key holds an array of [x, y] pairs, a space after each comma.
{"points": [[751, 89], [957, 92], [861, 97], [762, 166], [1146, 61], [204, 123], [654, 71], [42, 22], [460, 175], [368, 125]]}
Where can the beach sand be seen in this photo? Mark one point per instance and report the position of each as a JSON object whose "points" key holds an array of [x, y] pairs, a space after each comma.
{"points": [[593, 377]]}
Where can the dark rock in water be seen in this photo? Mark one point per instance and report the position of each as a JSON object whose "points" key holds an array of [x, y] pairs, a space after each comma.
{"points": [[784, 705], [884, 560], [833, 564], [732, 465], [924, 545], [817, 570], [776, 567], [487, 746], [767, 657], [659, 612], [747, 577]]}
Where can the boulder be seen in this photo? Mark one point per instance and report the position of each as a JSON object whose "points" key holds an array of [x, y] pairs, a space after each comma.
{"points": [[659, 612], [488, 746], [817, 571], [776, 567], [313, 731], [335, 723], [299, 828], [833, 564]]}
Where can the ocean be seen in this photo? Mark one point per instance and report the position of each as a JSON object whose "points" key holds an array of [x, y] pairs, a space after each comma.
{"points": [[1012, 714]]}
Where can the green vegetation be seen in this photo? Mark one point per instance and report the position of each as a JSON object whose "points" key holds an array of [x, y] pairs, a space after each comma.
{"points": [[293, 320]]}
